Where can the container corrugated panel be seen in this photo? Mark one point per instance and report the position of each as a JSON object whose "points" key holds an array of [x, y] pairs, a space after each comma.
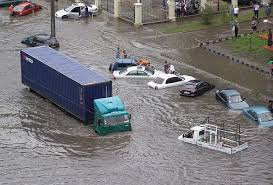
{"points": [[63, 80]]}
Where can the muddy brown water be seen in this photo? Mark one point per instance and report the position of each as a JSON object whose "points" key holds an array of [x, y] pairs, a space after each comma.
{"points": [[41, 144]]}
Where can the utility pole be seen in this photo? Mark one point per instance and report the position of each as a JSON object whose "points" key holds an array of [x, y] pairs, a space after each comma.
{"points": [[53, 41]]}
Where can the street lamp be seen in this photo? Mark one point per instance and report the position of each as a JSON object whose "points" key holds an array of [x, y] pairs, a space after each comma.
{"points": [[53, 41]]}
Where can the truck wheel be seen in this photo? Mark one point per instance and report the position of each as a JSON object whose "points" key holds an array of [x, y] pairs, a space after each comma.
{"points": [[156, 88], [65, 17]]}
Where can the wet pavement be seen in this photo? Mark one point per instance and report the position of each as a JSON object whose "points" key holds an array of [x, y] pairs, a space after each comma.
{"points": [[41, 144]]}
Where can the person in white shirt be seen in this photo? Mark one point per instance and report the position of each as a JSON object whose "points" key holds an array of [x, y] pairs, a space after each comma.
{"points": [[256, 10], [171, 69], [236, 11]]}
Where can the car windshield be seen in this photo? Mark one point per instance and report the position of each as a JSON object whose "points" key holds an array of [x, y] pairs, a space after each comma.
{"points": [[123, 71], [18, 8], [116, 120], [267, 116], [234, 98], [158, 80], [68, 9], [189, 86], [149, 71], [42, 38]]}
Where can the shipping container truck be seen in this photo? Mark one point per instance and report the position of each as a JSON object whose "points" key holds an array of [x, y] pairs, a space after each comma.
{"points": [[75, 88]]}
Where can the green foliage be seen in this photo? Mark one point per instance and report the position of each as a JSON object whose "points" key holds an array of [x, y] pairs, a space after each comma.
{"points": [[206, 15], [225, 15]]}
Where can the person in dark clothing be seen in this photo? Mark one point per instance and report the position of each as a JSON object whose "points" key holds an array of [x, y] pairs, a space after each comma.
{"points": [[124, 54], [118, 52], [267, 9], [254, 23], [86, 12], [269, 41], [166, 67], [236, 29]]}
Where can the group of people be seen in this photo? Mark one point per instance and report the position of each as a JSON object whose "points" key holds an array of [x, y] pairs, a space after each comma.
{"points": [[121, 53], [169, 68], [186, 7], [255, 19]]}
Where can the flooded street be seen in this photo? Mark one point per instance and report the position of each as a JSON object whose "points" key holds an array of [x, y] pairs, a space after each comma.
{"points": [[40, 144]]}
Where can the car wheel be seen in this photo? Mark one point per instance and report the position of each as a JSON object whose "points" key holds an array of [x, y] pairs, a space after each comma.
{"points": [[156, 88], [65, 17]]}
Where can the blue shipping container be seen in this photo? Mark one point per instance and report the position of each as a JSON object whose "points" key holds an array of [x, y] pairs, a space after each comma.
{"points": [[63, 81]]}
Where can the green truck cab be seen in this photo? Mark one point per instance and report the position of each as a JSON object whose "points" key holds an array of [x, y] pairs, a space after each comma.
{"points": [[110, 116]]}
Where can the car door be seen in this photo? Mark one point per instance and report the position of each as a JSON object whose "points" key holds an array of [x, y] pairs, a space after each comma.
{"points": [[142, 74], [132, 74], [173, 81], [252, 115], [82, 9], [74, 13], [220, 96], [27, 9], [201, 88]]}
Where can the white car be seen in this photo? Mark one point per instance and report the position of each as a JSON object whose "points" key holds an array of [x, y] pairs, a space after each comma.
{"points": [[169, 80], [137, 72], [76, 10]]}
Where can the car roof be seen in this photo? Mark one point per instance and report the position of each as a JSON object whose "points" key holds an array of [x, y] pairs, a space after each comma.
{"points": [[125, 60], [78, 4], [194, 82], [24, 3], [230, 92], [135, 68], [258, 109], [166, 76]]}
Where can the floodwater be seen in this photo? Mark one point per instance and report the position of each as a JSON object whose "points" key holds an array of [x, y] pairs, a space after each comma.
{"points": [[41, 144]]}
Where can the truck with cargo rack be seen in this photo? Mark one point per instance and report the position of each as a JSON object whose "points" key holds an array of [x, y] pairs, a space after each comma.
{"points": [[75, 88]]}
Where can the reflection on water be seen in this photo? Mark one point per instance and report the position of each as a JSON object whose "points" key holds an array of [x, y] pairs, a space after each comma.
{"points": [[41, 144]]}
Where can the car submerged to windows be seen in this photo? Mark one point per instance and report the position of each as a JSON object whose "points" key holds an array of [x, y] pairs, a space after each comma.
{"points": [[195, 88], [169, 80], [76, 10], [231, 98], [260, 114], [25, 8], [122, 63], [137, 72], [38, 40]]}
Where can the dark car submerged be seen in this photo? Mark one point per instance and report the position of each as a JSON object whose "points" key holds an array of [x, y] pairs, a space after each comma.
{"points": [[195, 88]]}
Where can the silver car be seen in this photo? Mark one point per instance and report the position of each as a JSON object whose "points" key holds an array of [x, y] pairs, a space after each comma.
{"points": [[76, 10]]}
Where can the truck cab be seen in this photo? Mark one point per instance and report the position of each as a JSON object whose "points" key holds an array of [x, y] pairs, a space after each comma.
{"points": [[110, 116], [195, 134]]}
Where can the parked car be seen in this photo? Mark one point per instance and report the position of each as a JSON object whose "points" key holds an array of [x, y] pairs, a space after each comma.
{"points": [[25, 8], [260, 114], [121, 63], [4, 3], [137, 72], [38, 40], [76, 10], [195, 88], [169, 80], [231, 98]]}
